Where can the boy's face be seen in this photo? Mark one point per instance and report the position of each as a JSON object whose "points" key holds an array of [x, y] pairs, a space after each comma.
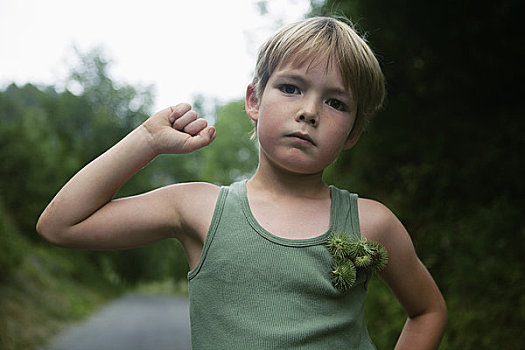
{"points": [[304, 116]]}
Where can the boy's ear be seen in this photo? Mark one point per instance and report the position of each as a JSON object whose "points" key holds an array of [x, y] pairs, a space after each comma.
{"points": [[252, 104], [352, 139]]}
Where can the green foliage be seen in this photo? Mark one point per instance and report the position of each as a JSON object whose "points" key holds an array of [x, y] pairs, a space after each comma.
{"points": [[343, 275], [155, 262], [338, 246], [352, 255], [384, 315], [47, 290], [233, 155], [46, 136], [13, 247], [444, 155]]}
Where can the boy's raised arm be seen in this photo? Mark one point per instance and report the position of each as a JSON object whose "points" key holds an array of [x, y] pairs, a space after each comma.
{"points": [[83, 214]]}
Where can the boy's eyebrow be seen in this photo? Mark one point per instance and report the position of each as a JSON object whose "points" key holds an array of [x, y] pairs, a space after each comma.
{"points": [[293, 76], [338, 91]]}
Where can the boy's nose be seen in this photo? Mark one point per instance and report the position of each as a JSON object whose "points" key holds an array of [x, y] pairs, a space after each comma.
{"points": [[308, 114], [310, 119]]}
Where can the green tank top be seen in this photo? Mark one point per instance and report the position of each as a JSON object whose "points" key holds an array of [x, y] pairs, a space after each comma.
{"points": [[254, 290]]}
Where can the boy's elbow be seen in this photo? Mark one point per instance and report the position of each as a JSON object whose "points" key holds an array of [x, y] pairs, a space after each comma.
{"points": [[436, 312], [49, 232], [439, 313], [43, 229], [441, 318]]}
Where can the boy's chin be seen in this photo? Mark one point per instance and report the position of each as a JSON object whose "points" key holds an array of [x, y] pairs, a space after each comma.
{"points": [[294, 161], [301, 168]]}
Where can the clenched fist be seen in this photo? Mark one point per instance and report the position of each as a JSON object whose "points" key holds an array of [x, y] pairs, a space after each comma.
{"points": [[178, 130]]}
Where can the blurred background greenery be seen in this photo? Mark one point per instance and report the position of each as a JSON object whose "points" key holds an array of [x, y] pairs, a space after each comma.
{"points": [[445, 155]]}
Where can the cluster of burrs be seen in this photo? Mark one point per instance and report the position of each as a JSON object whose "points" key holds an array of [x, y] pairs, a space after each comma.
{"points": [[352, 254]]}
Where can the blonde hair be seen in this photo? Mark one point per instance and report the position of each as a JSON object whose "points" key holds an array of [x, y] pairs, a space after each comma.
{"points": [[314, 38]]}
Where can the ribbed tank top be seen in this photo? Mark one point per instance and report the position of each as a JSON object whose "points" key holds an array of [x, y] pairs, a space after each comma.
{"points": [[255, 290]]}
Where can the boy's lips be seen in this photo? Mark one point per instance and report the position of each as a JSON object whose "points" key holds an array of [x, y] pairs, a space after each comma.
{"points": [[302, 136]]}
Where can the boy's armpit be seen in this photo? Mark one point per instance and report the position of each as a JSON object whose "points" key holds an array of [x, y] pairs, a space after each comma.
{"points": [[194, 204]]}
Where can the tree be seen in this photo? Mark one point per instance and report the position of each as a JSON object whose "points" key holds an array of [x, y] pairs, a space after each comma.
{"points": [[233, 154], [46, 136]]}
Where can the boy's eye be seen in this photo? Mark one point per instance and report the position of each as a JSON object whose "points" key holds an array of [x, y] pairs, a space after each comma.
{"points": [[289, 89], [336, 104]]}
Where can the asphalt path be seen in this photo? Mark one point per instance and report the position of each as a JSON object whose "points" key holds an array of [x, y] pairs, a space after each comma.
{"points": [[133, 322]]}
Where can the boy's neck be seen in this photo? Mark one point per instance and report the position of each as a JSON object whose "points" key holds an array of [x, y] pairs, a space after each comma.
{"points": [[280, 182]]}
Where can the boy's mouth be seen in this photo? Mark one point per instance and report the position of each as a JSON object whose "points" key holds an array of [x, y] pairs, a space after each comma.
{"points": [[302, 136]]}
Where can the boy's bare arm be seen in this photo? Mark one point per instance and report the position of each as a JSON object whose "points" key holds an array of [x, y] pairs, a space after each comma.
{"points": [[83, 214], [407, 277]]}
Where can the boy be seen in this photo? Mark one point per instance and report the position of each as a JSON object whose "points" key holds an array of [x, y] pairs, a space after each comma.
{"points": [[260, 271]]}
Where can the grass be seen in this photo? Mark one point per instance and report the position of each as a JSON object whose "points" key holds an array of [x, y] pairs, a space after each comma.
{"points": [[44, 293]]}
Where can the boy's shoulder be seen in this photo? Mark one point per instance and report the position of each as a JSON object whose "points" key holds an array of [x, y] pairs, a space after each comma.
{"points": [[193, 203], [376, 220], [190, 188], [199, 194], [193, 188], [191, 197]]}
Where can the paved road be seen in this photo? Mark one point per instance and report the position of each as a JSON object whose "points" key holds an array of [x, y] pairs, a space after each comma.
{"points": [[133, 322]]}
